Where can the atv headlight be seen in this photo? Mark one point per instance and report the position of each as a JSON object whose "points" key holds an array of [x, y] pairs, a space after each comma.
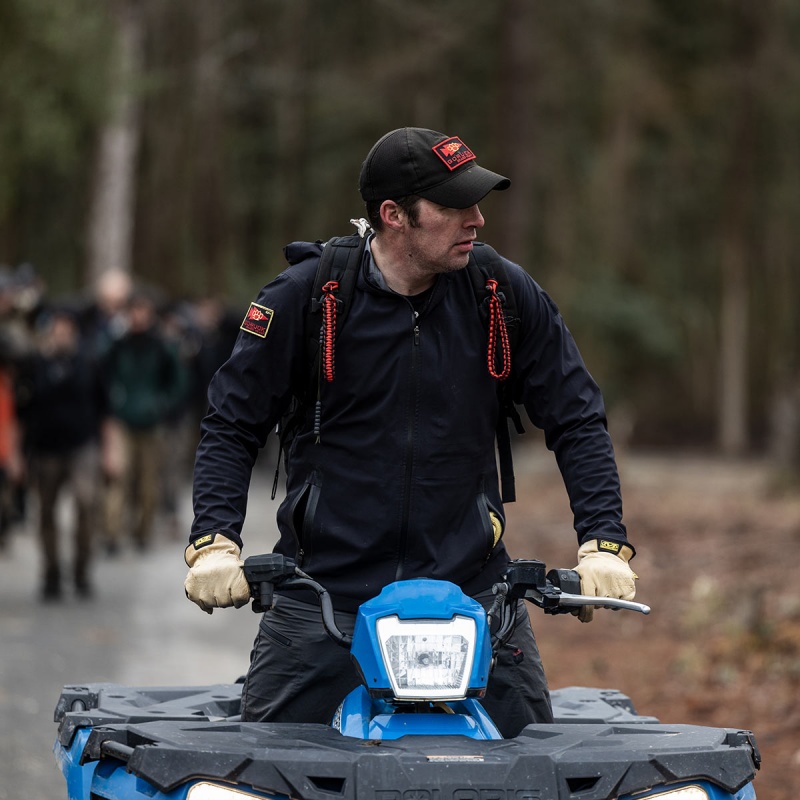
{"points": [[430, 659], [213, 791], [684, 793]]}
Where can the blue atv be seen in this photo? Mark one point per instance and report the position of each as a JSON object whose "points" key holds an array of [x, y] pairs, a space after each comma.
{"points": [[414, 730]]}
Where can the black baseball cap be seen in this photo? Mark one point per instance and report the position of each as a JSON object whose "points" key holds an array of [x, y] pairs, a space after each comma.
{"points": [[429, 164]]}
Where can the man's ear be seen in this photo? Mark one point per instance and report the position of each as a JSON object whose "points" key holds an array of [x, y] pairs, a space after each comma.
{"points": [[393, 216]]}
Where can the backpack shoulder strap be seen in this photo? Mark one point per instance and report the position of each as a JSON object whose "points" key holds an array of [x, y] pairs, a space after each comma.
{"points": [[331, 299], [485, 263], [336, 275], [340, 260]]}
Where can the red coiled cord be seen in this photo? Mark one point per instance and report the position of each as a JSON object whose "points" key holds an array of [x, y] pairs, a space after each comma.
{"points": [[329, 329], [497, 329]]}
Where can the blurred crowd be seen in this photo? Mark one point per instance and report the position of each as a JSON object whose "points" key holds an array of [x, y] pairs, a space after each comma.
{"points": [[101, 396]]}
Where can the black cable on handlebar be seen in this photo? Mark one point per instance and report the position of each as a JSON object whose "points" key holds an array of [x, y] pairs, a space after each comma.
{"points": [[497, 605], [325, 605], [270, 571], [507, 609]]}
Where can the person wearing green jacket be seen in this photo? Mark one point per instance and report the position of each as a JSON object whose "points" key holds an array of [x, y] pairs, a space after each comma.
{"points": [[146, 383]]}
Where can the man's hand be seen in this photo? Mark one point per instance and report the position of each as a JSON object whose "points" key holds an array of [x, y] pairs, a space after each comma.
{"points": [[603, 567], [216, 578]]}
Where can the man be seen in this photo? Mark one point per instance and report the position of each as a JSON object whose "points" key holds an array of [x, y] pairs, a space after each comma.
{"points": [[65, 424], [146, 382], [400, 479]]}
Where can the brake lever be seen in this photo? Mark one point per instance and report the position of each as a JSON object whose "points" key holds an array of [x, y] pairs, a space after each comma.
{"points": [[567, 601], [559, 593]]}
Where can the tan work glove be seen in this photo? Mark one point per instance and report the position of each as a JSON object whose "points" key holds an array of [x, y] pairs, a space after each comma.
{"points": [[603, 567], [216, 578]]}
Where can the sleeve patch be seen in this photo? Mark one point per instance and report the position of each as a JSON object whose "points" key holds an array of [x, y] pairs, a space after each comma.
{"points": [[257, 320]]}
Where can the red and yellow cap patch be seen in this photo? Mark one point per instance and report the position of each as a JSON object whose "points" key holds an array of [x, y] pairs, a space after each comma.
{"points": [[453, 152], [257, 320]]}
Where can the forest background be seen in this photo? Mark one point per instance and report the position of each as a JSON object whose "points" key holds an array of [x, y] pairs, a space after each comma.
{"points": [[652, 145], [654, 155]]}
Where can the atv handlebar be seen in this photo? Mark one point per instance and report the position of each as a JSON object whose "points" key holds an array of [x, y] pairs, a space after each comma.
{"points": [[558, 592], [555, 592], [263, 573]]}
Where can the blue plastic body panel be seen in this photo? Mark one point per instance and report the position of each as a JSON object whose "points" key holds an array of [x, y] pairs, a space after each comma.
{"points": [[747, 792], [78, 776], [364, 717]]}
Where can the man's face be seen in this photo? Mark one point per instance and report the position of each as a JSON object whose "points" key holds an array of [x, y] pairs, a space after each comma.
{"points": [[63, 335], [141, 316], [442, 239]]}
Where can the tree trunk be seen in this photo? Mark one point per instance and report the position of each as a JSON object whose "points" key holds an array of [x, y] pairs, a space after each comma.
{"points": [[111, 216], [734, 329], [784, 412], [292, 122], [515, 137], [211, 219], [736, 243]]}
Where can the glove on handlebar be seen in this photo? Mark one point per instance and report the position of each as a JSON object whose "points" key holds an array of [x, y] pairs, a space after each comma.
{"points": [[216, 578], [604, 573]]}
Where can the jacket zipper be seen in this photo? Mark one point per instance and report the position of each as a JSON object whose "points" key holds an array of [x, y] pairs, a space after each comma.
{"points": [[410, 437]]}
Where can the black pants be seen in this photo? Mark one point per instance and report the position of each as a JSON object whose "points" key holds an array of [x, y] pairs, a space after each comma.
{"points": [[53, 472], [299, 674]]}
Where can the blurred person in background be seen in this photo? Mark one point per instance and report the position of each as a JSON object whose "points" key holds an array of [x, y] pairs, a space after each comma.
{"points": [[217, 329], [22, 293], [104, 319], [178, 441], [63, 421], [146, 386], [21, 297], [11, 468]]}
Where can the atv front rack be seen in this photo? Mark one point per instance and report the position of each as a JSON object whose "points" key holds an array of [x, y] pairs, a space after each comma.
{"points": [[598, 748]]}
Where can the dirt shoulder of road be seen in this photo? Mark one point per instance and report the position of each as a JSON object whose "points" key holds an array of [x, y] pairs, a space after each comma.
{"points": [[718, 559]]}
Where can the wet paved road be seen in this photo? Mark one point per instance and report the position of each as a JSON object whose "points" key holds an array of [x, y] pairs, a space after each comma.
{"points": [[139, 629]]}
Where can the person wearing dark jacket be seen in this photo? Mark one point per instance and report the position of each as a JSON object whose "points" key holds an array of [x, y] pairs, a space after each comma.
{"points": [[400, 481], [64, 421], [146, 381]]}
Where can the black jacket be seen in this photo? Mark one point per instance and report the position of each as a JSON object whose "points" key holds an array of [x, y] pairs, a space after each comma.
{"points": [[65, 404], [403, 478]]}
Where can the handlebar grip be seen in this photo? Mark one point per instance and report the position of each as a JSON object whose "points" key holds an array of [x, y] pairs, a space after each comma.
{"points": [[262, 600], [568, 580], [262, 573]]}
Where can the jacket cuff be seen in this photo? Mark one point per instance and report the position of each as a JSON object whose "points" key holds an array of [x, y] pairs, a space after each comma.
{"points": [[612, 543]]}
